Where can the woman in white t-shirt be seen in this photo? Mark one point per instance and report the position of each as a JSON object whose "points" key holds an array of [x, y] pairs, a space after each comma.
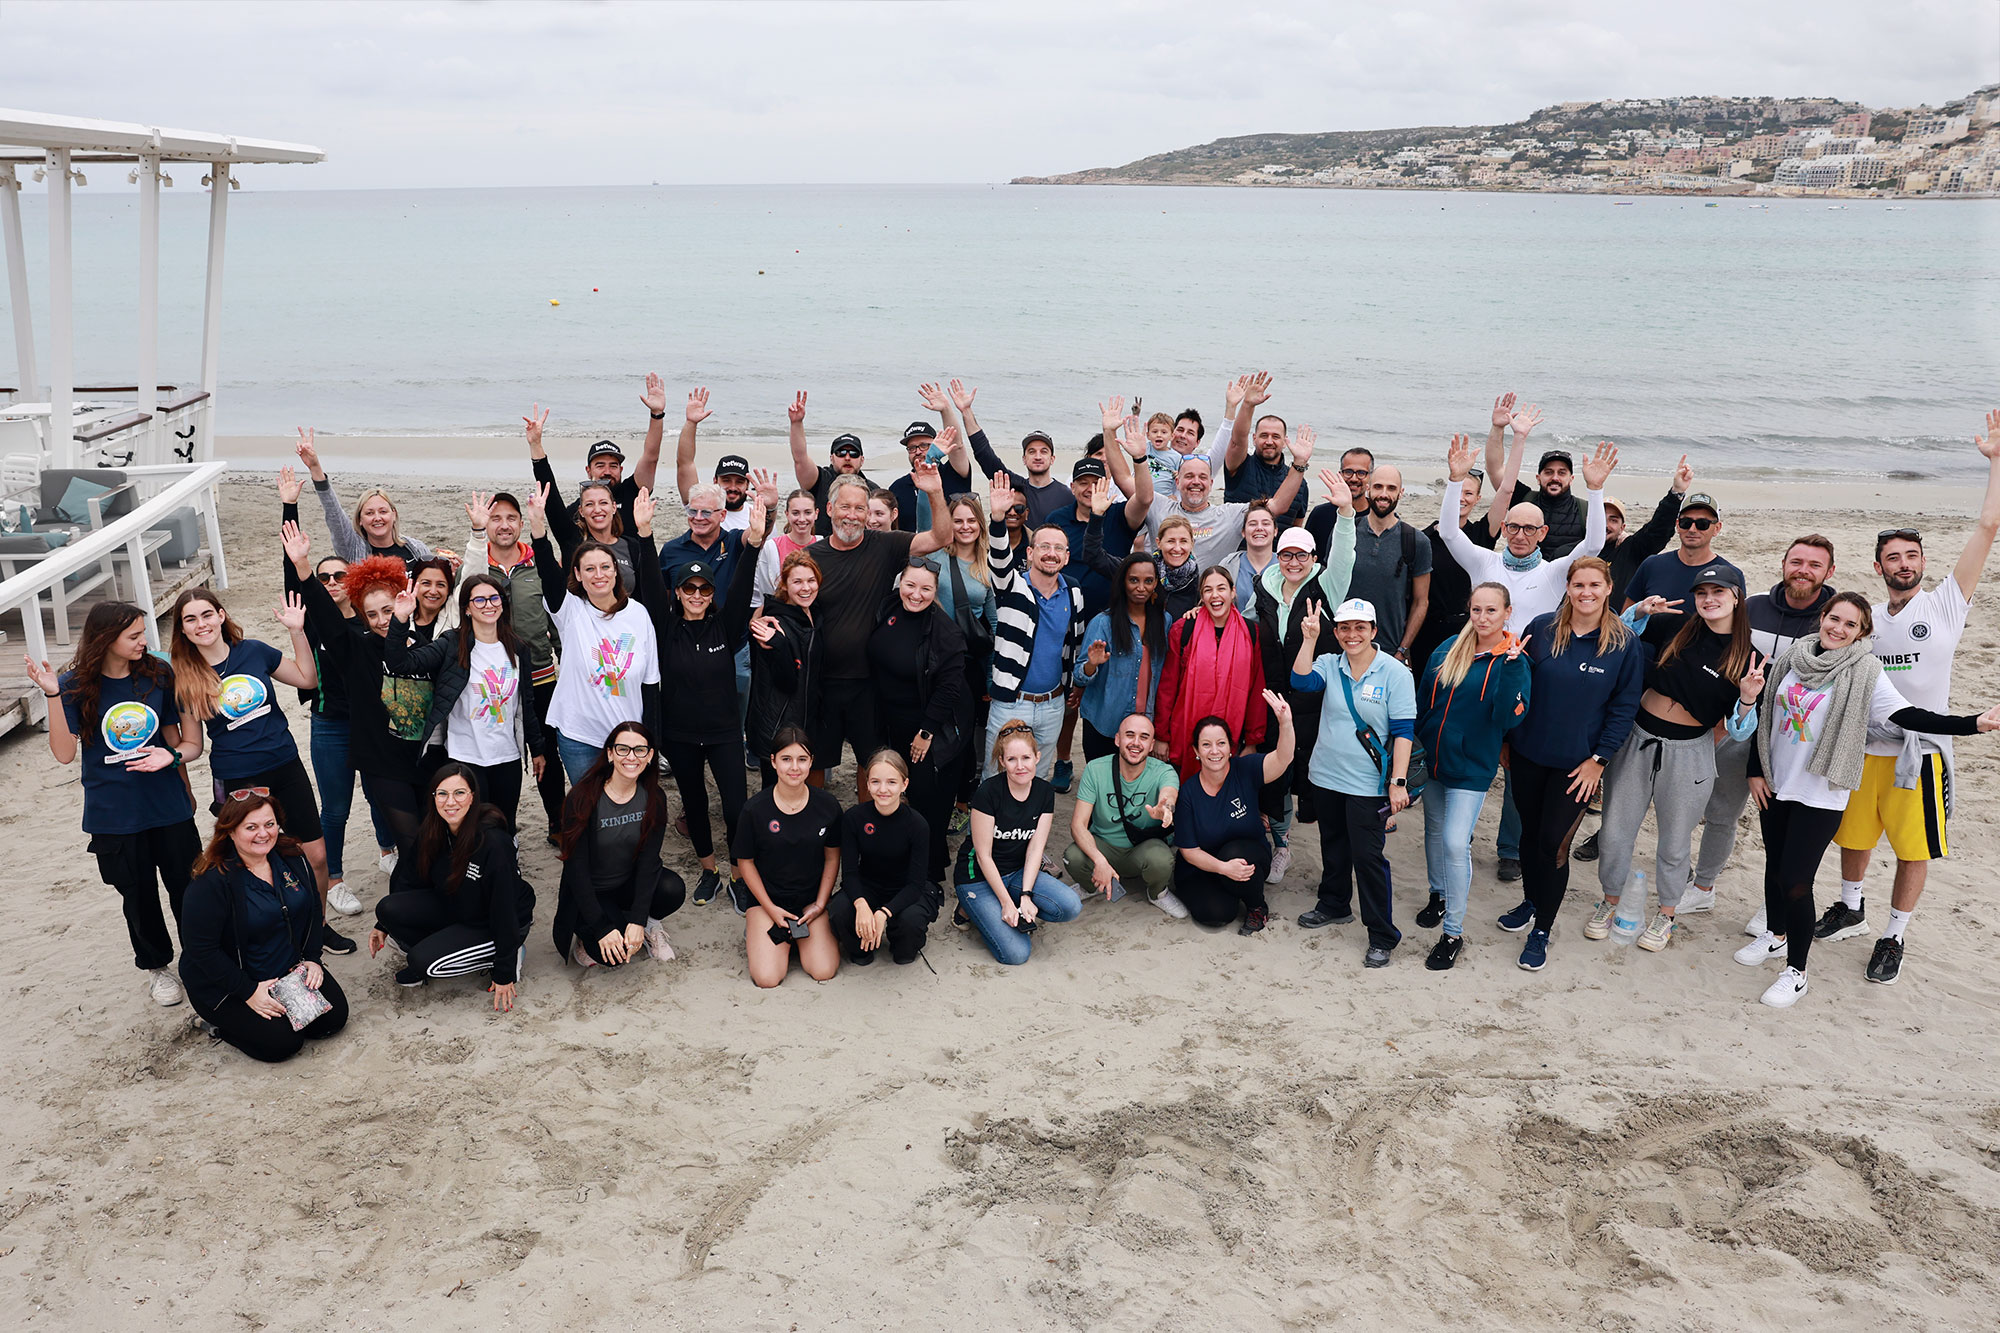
{"points": [[477, 675], [1820, 699], [611, 663]]}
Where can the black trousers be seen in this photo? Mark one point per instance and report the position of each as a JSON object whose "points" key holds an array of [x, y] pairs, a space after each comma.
{"points": [[1549, 816], [847, 713], [907, 930], [668, 895], [425, 923], [1096, 744], [1217, 900], [400, 805], [139, 865], [977, 673], [933, 787], [500, 785], [273, 1040], [1795, 840], [1352, 839], [551, 785], [725, 760]]}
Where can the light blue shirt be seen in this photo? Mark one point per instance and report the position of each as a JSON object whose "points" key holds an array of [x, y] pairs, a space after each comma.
{"points": [[1045, 674], [1385, 694]]}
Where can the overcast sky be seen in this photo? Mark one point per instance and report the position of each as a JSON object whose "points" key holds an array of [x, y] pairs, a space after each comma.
{"points": [[517, 94]]}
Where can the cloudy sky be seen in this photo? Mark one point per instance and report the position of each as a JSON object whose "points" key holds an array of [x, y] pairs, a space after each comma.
{"points": [[515, 94]]}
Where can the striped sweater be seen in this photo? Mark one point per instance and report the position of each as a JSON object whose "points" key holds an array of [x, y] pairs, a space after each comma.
{"points": [[1016, 614]]}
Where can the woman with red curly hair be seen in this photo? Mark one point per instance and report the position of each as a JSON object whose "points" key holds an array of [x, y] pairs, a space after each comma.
{"points": [[387, 711]]}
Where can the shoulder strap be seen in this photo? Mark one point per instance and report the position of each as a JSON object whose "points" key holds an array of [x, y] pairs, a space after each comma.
{"points": [[1407, 536], [1361, 732]]}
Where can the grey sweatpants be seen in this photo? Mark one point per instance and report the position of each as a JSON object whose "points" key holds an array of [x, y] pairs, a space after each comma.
{"points": [[1675, 779], [1725, 809]]}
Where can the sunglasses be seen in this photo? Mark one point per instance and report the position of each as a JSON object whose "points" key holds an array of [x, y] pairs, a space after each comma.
{"points": [[846, 451], [1898, 534], [624, 751], [333, 576], [491, 599], [922, 563], [245, 793], [697, 590], [1477, 474], [1696, 524], [1017, 511]]}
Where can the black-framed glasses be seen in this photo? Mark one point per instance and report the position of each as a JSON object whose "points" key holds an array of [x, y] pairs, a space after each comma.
{"points": [[1520, 529], [624, 751], [1696, 524], [489, 599], [1295, 555], [1354, 472], [333, 576]]}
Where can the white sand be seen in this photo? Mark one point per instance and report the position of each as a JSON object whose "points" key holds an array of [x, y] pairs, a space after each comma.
{"points": [[1148, 1126]]}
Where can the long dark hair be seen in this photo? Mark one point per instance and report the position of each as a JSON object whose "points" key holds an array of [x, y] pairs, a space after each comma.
{"points": [[623, 594], [221, 849], [435, 838], [1156, 616], [102, 628], [1735, 659], [509, 640], [580, 810]]}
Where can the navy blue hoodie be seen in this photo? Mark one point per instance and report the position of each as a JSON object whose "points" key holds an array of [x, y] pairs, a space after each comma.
{"points": [[1462, 726], [1581, 704]]}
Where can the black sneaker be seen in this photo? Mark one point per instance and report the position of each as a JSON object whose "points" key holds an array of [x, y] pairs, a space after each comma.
{"points": [[1445, 953], [706, 888], [959, 920], [1319, 917], [1254, 920], [1433, 912], [1887, 964], [408, 976], [333, 941], [1587, 849], [1510, 869], [1841, 922], [739, 897]]}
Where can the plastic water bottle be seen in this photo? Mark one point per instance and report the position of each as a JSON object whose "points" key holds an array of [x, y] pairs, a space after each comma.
{"points": [[1630, 918]]}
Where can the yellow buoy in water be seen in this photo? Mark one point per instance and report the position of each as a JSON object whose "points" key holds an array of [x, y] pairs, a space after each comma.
{"points": [[553, 301]]}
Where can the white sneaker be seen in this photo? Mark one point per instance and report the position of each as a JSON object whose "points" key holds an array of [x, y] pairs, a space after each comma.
{"points": [[1758, 923], [579, 955], [1785, 991], [1281, 860], [342, 899], [657, 943], [166, 988], [1171, 905], [388, 861], [1697, 900], [1761, 950]]}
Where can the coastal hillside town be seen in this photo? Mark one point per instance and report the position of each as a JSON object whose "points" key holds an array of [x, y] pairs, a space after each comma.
{"points": [[1770, 146]]}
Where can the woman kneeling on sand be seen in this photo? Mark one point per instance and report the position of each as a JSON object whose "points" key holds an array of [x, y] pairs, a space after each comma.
{"points": [[787, 851], [1002, 888], [616, 895]]}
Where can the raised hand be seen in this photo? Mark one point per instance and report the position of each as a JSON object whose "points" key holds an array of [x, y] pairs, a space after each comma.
{"points": [[1524, 422], [1001, 498], [289, 485], [1280, 709], [1309, 627], [532, 423], [1132, 439], [1308, 435], [925, 474], [1302, 446], [655, 396], [1112, 414], [1459, 458], [1683, 476], [406, 604], [761, 506], [1597, 467], [1336, 488], [477, 510], [932, 397], [697, 408], [309, 453], [643, 507], [292, 615], [796, 413], [763, 629], [1257, 389], [1503, 411], [763, 488], [1515, 647], [538, 511], [43, 675], [1989, 443], [1233, 392], [961, 396], [1752, 684], [297, 545], [1097, 654], [1100, 496]]}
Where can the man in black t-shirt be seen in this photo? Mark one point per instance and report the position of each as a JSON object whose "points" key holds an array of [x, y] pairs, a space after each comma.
{"points": [[843, 460]]}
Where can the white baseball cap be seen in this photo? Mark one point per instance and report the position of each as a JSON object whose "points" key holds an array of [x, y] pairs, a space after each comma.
{"points": [[1355, 608], [1295, 539]]}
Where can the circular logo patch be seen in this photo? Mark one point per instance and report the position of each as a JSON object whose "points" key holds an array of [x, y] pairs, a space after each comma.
{"points": [[241, 696], [128, 726], [1920, 631], [868, 828], [774, 826]]}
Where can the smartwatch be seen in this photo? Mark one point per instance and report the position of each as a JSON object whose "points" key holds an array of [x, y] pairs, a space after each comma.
{"points": [[1399, 782]]}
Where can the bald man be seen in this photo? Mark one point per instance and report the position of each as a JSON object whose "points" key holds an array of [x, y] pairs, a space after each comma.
{"points": [[1535, 583], [1392, 565]]}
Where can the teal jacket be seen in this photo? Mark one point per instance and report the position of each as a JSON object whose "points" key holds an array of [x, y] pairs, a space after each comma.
{"points": [[1462, 726]]}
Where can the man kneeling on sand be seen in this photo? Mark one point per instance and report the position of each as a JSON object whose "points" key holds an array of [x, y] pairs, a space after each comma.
{"points": [[1123, 817]]}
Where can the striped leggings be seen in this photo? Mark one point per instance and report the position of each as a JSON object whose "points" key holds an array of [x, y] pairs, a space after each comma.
{"points": [[426, 926]]}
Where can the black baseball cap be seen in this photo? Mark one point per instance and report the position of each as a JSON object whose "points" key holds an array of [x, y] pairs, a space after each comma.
{"points": [[1087, 467], [731, 465], [919, 430], [846, 444], [603, 449], [1034, 435], [1700, 500], [1722, 576], [1557, 456], [692, 570]]}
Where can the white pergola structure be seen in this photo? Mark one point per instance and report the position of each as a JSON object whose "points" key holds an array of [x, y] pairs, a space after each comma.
{"points": [[54, 147]]}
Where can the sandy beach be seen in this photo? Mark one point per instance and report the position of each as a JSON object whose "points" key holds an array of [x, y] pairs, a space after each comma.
{"points": [[1148, 1126]]}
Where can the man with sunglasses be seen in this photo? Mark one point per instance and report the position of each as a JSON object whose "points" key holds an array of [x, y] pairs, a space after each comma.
{"points": [[1906, 784], [1671, 574]]}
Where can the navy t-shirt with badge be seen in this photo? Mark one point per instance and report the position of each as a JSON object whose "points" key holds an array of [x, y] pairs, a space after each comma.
{"points": [[130, 713], [1014, 825], [247, 736], [1206, 822], [789, 850]]}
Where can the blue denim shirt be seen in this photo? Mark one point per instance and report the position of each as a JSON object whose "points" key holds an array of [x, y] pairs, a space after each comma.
{"points": [[1108, 695], [1044, 673]]}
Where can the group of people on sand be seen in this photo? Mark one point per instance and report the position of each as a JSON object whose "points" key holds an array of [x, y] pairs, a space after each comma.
{"points": [[1237, 665]]}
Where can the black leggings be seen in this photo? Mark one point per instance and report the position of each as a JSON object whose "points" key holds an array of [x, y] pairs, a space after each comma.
{"points": [[1351, 849], [1095, 743], [905, 935], [933, 788], [1795, 839], [500, 785], [1549, 816], [138, 865], [551, 785], [399, 804], [273, 1040], [668, 895], [427, 927], [725, 760], [1217, 900]]}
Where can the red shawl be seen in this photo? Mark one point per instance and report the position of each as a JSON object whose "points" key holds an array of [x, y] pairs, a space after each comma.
{"points": [[1204, 678]]}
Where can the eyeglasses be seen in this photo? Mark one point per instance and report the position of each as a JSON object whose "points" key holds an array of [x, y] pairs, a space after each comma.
{"points": [[624, 751], [697, 590], [491, 599], [333, 576], [245, 793], [1898, 534], [1295, 555], [703, 513], [1696, 524], [1520, 529], [1354, 472]]}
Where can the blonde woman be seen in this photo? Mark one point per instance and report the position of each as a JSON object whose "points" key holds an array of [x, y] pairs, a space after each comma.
{"points": [[373, 528], [969, 569], [1001, 888]]}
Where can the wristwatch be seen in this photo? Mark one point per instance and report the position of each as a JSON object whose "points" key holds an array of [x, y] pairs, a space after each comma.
{"points": [[1297, 466], [1399, 782], [1600, 761]]}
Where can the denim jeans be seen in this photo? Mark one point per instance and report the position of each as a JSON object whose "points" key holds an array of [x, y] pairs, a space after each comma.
{"points": [[743, 686], [1054, 901], [1508, 844], [576, 757], [1045, 717], [334, 776], [1449, 816]]}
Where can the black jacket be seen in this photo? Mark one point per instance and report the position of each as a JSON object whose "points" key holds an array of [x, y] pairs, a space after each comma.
{"points": [[1637, 547], [1566, 518], [697, 657], [1180, 589], [492, 898], [1279, 654], [1774, 624], [438, 660], [212, 929], [786, 677], [942, 695], [582, 912]]}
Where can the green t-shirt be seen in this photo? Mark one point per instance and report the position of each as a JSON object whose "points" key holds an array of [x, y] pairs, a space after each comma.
{"points": [[1096, 792]]}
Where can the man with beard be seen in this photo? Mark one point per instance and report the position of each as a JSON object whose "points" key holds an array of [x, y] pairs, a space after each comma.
{"points": [[843, 460], [1254, 468], [1392, 566], [920, 442], [1906, 785], [1355, 465], [1039, 622], [1671, 574], [1218, 528], [1562, 513], [604, 461]]}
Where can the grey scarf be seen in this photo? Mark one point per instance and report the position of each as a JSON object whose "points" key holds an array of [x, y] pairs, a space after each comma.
{"points": [[1848, 677]]}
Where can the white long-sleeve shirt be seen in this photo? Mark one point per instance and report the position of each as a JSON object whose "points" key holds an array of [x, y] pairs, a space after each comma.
{"points": [[1535, 592]]}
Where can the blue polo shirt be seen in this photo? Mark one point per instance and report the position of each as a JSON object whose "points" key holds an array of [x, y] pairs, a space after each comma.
{"points": [[1044, 673], [1385, 698]]}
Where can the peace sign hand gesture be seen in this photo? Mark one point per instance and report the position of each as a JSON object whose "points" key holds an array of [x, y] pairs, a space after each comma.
{"points": [[537, 418], [1751, 687]]}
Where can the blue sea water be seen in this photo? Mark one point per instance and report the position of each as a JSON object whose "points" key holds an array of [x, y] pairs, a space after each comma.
{"points": [[1791, 339]]}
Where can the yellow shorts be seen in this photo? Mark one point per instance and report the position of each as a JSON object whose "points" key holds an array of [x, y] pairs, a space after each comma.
{"points": [[1914, 820]]}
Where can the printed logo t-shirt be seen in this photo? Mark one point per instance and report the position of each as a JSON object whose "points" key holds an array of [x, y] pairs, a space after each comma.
{"points": [[789, 851], [1096, 792], [247, 735], [1915, 647], [130, 714], [481, 730], [1206, 822], [1013, 827], [606, 659]]}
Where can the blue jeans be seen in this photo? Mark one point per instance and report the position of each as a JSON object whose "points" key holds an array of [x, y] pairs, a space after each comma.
{"points": [[576, 757], [743, 686], [1449, 816], [1045, 717], [1508, 844], [1054, 901], [1281, 824], [334, 776]]}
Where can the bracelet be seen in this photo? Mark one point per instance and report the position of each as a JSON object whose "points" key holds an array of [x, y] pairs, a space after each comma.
{"points": [[657, 416], [56, 695]]}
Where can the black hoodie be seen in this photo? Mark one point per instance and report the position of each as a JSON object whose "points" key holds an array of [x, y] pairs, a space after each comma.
{"points": [[1774, 624]]}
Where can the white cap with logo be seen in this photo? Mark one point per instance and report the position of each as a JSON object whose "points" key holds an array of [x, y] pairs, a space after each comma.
{"points": [[1355, 608]]}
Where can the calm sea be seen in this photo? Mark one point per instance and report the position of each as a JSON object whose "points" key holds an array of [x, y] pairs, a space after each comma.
{"points": [[1789, 339]]}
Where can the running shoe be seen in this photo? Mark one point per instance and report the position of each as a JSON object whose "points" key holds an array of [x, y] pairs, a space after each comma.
{"points": [[1064, 777], [1376, 956], [332, 941], [1758, 923], [1841, 922], [1317, 918], [165, 988], [706, 888], [1171, 905], [1510, 869], [1281, 860], [739, 896], [1535, 953], [1520, 918], [1786, 990], [1444, 954], [1697, 900], [1587, 849], [1659, 934], [961, 820], [657, 942], [1599, 925], [580, 955], [387, 860], [1887, 963], [1254, 920], [1761, 950], [959, 920], [1433, 912], [342, 899]]}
